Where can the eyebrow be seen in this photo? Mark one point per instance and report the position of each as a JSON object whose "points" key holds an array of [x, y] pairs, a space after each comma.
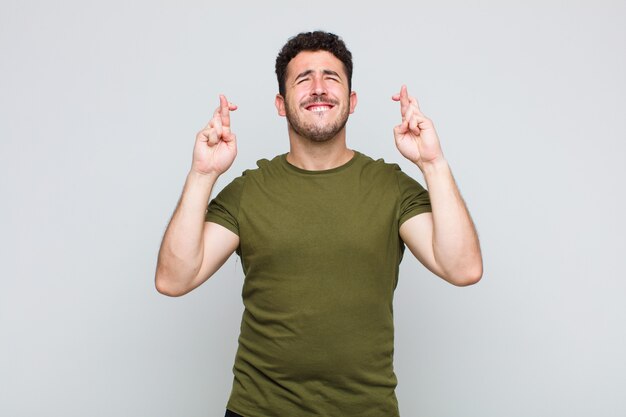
{"points": [[310, 71]]}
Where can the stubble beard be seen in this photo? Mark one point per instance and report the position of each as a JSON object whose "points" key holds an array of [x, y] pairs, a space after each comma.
{"points": [[312, 131]]}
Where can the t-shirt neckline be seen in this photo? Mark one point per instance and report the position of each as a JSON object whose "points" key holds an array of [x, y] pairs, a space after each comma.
{"points": [[291, 167]]}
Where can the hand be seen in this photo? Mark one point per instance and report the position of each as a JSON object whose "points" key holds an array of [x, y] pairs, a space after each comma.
{"points": [[415, 137], [216, 146]]}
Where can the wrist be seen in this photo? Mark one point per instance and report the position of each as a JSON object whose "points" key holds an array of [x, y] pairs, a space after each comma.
{"points": [[433, 167], [198, 177]]}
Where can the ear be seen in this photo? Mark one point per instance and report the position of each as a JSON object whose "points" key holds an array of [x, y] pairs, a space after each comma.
{"points": [[279, 102], [353, 101]]}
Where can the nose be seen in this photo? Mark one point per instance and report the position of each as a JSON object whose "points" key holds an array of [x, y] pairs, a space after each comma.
{"points": [[318, 87]]}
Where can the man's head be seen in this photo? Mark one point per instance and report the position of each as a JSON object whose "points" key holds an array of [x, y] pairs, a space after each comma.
{"points": [[312, 41], [316, 96]]}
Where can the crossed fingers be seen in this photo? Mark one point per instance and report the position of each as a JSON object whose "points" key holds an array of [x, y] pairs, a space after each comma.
{"points": [[410, 111], [218, 127]]}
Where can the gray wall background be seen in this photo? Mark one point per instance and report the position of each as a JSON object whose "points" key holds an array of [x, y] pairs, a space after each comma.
{"points": [[99, 106]]}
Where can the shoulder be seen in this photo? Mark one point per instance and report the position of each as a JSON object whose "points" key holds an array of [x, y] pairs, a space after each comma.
{"points": [[265, 168], [378, 163], [392, 172], [265, 165], [262, 166], [378, 167]]}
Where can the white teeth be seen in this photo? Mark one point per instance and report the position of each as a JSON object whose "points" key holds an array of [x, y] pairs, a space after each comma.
{"points": [[319, 109]]}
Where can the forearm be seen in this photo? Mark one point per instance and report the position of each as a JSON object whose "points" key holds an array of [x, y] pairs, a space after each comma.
{"points": [[181, 253], [455, 242]]}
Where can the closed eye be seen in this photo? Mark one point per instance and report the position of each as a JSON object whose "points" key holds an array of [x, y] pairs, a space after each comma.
{"points": [[332, 75]]}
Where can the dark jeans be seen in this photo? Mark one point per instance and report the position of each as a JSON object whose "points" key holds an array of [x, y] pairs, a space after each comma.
{"points": [[231, 414]]}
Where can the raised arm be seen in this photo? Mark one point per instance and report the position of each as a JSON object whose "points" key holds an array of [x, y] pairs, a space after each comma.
{"points": [[192, 250], [445, 241]]}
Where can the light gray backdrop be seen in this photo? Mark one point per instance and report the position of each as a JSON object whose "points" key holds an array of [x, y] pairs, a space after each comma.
{"points": [[99, 106]]}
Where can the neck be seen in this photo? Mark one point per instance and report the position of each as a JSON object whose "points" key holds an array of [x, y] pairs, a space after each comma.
{"points": [[318, 156]]}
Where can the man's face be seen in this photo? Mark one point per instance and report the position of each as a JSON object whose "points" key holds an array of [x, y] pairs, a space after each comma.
{"points": [[317, 100]]}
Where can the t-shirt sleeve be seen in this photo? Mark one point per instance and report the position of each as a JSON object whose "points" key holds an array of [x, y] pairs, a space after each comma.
{"points": [[224, 208], [414, 198]]}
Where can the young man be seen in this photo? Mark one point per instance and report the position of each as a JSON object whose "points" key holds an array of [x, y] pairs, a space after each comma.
{"points": [[321, 232]]}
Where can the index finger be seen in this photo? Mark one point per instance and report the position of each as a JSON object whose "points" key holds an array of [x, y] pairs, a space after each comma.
{"points": [[404, 96], [225, 108], [224, 111]]}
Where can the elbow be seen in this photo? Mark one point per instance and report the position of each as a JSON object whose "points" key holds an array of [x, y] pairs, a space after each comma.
{"points": [[165, 285], [466, 281], [468, 276], [166, 290]]}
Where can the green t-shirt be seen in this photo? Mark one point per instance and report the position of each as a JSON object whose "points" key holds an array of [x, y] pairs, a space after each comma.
{"points": [[320, 251]]}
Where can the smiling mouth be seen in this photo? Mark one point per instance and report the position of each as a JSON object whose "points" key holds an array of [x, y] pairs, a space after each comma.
{"points": [[319, 107], [319, 104]]}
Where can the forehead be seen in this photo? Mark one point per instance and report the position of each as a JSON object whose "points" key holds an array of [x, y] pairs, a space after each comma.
{"points": [[315, 60]]}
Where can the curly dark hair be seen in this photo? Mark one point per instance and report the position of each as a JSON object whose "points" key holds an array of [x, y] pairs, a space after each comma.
{"points": [[312, 41]]}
